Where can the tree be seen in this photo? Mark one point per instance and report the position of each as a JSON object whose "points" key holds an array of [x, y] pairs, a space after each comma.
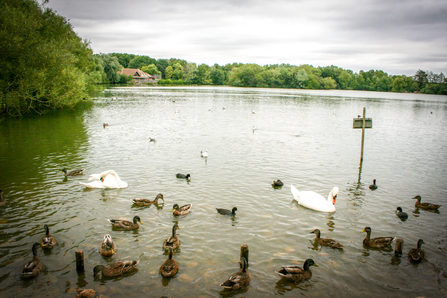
{"points": [[301, 78], [111, 67], [44, 64], [140, 61], [421, 78], [151, 69]]}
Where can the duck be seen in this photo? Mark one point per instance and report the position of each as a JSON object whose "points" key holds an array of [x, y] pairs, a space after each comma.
{"points": [[425, 206], [147, 202], [115, 269], [204, 153], [402, 215], [326, 241], [277, 183], [2, 200], [231, 212], [240, 279], [73, 173], [395, 260], [125, 224], [106, 179], [48, 240], [296, 273], [378, 242], [107, 247], [183, 176], [312, 200], [172, 242], [169, 268], [181, 210], [33, 267], [417, 254], [373, 186], [105, 124]]}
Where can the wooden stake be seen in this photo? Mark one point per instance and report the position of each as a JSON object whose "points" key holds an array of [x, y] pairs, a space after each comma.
{"points": [[244, 253], [79, 260], [363, 137]]}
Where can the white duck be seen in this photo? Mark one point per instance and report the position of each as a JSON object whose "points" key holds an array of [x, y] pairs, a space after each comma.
{"points": [[107, 179], [312, 200]]}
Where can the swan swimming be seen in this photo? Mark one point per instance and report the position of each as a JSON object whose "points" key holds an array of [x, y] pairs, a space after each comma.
{"points": [[107, 179], [312, 200]]}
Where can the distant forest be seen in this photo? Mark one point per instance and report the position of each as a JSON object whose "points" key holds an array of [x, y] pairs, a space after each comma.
{"points": [[180, 72], [45, 65]]}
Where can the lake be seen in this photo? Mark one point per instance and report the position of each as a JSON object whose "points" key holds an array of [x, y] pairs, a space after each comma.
{"points": [[253, 137]]}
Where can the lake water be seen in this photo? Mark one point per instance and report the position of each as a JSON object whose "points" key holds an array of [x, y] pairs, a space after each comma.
{"points": [[253, 136]]}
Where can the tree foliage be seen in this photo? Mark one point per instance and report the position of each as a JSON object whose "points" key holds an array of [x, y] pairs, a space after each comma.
{"points": [[44, 64]]}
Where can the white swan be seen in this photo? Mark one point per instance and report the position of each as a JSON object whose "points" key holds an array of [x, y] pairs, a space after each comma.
{"points": [[312, 200], [107, 179]]}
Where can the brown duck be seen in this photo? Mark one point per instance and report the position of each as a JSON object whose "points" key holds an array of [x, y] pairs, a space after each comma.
{"points": [[425, 206], [33, 267], [169, 268], [326, 241], [176, 210], [240, 279], [48, 240], [296, 273], [115, 269], [125, 224], [172, 242], [378, 242], [147, 202], [107, 247], [417, 254]]}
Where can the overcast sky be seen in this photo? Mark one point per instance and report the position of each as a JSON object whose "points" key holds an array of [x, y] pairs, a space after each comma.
{"points": [[396, 36]]}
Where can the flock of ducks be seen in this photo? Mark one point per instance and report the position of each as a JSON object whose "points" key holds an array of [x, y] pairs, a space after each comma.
{"points": [[241, 278]]}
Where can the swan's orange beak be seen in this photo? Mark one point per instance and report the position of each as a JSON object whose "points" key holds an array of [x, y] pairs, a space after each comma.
{"points": [[334, 200]]}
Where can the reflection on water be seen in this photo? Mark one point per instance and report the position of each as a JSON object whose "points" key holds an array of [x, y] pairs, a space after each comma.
{"points": [[405, 151]]}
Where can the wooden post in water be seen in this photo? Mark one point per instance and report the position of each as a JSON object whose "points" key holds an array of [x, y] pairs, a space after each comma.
{"points": [[362, 123], [244, 253], [79, 260]]}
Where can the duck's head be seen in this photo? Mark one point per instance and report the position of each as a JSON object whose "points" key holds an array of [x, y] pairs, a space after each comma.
{"points": [[366, 229], [175, 207], [64, 170], [418, 197], [137, 219], [398, 209], [308, 263], [316, 232], [97, 269], [188, 176], [160, 196], [234, 209], [420, 242]]}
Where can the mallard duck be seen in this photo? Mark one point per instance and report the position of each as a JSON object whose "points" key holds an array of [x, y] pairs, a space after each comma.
{"points": [[326, 241], [378, 242], [183, 176], [2, 200], [296, 273], [115, 269], [399, 247], [181, 210], [107, 247], [105, 124], [402, 215], [48, 240], [417, 254], [125, 224], [315, 201], [240, 279], [73, 173], [226, 211], [173, 241], [169, 268], [373, 186], [86, 293], [147, 202], [33, 267], [277, 183], [425, 206]]}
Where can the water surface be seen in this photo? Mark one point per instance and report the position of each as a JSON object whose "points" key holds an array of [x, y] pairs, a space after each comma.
{"points": [[253, 136]]}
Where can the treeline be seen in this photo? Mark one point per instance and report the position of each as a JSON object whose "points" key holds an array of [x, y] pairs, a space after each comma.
{"points": [[177, 71], [45, 65]]}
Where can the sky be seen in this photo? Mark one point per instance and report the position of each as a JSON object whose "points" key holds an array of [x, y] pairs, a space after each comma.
{"points": [[396, 36]]}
